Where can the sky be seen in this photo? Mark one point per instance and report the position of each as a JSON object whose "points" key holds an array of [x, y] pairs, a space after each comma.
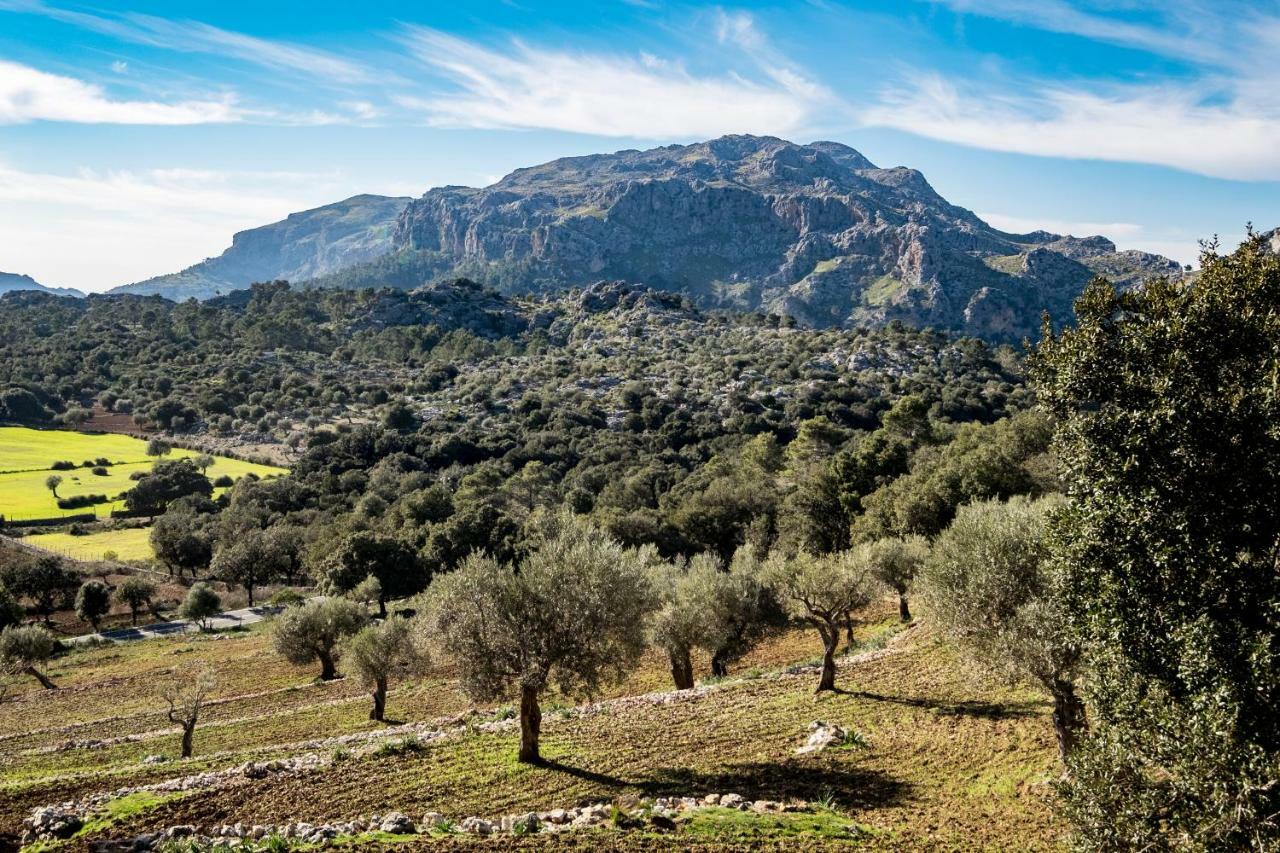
{"points": [[135, 139]]}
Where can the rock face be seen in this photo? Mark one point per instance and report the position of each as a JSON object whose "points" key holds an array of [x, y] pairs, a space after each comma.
{"points": [[816, 231], [303, 246], [13, 281]]}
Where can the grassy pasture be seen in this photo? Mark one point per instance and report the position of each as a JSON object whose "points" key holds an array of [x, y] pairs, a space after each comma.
{"points": [[27, 457], [128, 543], [952, 759]]}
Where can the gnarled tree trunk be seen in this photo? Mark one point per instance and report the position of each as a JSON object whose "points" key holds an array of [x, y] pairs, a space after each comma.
{"points": [[904, 610], [379, 700], [530, 725], [328, 672], [681, 669], [188, 732], [719, 664], [830, 639], [42, 678]]}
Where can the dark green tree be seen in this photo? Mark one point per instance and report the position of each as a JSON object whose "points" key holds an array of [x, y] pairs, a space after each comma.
{"points": [[1169, 409], [359, 555], [167, 482]]}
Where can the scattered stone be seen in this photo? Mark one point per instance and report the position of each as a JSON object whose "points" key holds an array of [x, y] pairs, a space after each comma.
{"points": [[821, 736], [477, 826], [711, 800], [51, 822], [732, 801], [397, 823], [155, 759]]}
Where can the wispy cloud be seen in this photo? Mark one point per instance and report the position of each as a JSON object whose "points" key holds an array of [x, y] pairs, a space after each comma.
{"points": [[197, 37], [527, 87], [1221, 118], [27, 94], [1167, 126]]}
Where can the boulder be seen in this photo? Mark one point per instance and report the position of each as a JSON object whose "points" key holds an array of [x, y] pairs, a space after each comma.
{"points": [[821, 736], [397, 823]]}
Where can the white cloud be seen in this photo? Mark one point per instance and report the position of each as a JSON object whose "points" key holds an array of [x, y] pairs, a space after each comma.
{"points": [[525, 87], [1024, 225], [198, 37], [1168, 126], [120, 66], [27, 94], [1221, 117], [131, 225]]}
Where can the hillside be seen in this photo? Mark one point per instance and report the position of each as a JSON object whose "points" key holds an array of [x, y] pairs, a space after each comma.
{"points": [[10, 282], [924, 776], [304, 245]]}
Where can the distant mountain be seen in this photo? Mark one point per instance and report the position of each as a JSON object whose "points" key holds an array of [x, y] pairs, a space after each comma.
{"points": [[815, 231], [302, 246], [10, 282]]}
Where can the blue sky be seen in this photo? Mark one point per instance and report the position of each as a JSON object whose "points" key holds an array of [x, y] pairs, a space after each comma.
{"points": [[135, 139]]}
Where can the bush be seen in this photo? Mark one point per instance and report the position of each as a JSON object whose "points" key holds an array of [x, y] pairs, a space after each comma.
{"points": [[201, 605], [286, 598], [224, 481], [99, 471], [81, 501], [63, 465]]}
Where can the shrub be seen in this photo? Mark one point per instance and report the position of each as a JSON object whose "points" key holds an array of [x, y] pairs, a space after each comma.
{"points": [[63, 465], [201, 605], [99, 471], [82, 501]]}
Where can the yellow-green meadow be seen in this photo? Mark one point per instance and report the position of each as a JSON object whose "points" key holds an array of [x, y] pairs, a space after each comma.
{"points": [[27, 457]]}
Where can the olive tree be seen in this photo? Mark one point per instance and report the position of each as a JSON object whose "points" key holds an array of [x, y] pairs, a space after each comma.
{"points": [[93, 601], [185, 691], [312, 632], [135, 593], [24, 648], [378, 651], [895, 561], [823, 590], [989, 585], [702, 605], [10, 609], [571, 614], [201, 605], [52, 482]]}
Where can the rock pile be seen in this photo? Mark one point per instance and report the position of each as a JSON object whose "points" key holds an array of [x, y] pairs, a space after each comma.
{"points": [[663, 813], [821, 736], [50, 822]]}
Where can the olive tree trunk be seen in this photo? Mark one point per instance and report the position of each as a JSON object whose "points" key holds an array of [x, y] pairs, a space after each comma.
{"points": [[719, 664], [530, 725], [681, 669], [904, 609], [379, 700], [328, 672], [42, 678], [188, 732], [830, 632], [1068, 717]]}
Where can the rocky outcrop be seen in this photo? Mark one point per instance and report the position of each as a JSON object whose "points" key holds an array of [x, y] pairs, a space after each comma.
{"points": [[303, 246], [815, 231]]}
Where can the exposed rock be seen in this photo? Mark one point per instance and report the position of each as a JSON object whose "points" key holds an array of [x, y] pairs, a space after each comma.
{"points": [[51, 822], [477, 826], [398, 823], [821, 736]]}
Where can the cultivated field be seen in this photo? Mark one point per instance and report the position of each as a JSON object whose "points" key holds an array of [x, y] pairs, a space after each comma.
{"points": [[127, 543], [949, 759], [27, 457]]}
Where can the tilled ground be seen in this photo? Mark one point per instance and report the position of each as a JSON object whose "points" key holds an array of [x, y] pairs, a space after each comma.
{"points": [[952, 760]]}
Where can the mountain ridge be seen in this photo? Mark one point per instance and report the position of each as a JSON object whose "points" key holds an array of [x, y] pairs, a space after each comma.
{"points": [[11, 282], [815, 231]]}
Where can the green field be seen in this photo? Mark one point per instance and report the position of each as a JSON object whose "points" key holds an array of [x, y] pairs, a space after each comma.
{"points": [[128, 543], [27, 457]]}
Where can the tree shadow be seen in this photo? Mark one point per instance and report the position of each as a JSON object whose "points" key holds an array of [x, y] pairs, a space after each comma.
{"points": [[974, 708], [845, 787]]}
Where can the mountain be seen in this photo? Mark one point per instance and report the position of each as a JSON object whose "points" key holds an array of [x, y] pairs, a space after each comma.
{"points": [[815, 231], [10, 282], [302, 246]]}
